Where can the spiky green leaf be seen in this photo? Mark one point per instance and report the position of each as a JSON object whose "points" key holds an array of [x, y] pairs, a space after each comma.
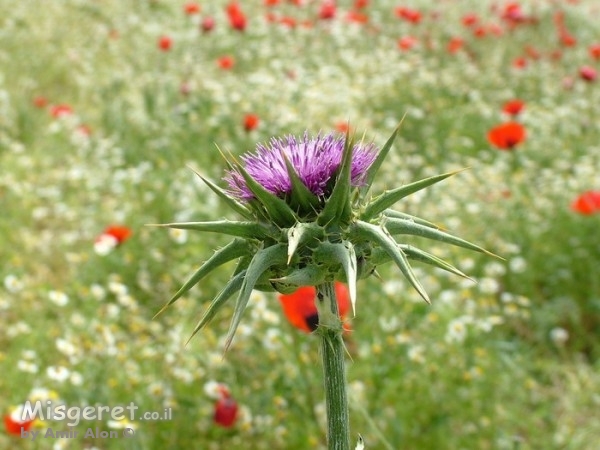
{"points": [[388, 198], [301, 196], [263, 260], [338, 206], [230, 201], [402, 226], [373, 233], [247, 230], [278, 210], [427, 258], [235, 249], [345, 255], [232, 286], [301, 233], [374, 168], [400, 215], [306, 276]]}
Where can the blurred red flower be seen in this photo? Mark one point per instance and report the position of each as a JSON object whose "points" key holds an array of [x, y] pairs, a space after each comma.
{"points": [[520, 62], [407, 42], [408, 14], [327, 10], [120, 232], [595, 51], [513, 107], [191, 8], [226, 411], [356, 17], [237, 18], [226, 62], [58, 111], [165, 43], [301, 311], [40, 102], [507, 135], [251, 122], [587, 203], [360, 4], [588, 73], [207, 24], [455, 44], [13, 425], [470, 19]]}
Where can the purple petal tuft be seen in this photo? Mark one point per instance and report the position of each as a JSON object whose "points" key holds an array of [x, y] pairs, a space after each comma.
{"points": [[314, 159]]}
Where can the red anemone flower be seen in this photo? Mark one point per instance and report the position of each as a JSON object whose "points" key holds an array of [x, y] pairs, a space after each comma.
{"points": [[587, 203], [507, 135], [300, 309], [513, 107]]}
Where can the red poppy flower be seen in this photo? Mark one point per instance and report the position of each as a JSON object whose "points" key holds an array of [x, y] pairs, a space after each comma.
{"points": [[14, 426], [455, 44], [588, 73], [342, 127], [567, 39], [58, 111], [595, 51], [119, 232], [271, 2], [301, 311], [408, 14], [207, 24], [251, 122], [226, 62], [520, 62], [327, 10], [507, 135], [40, 101], [407, 42], [356, 17], [237, 18], [587, 203], [360, 4], [191, 8], [513, 107], [226, 411], [165, 43], [470, 19]]}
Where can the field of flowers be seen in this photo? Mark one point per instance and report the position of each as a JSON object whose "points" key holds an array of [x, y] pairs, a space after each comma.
{"points": [[105, 106]]}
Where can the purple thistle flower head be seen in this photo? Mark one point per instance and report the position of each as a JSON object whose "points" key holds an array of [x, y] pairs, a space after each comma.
{"points": [[315, 160]]}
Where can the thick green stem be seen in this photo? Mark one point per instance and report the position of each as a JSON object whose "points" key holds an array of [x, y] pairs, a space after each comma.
{"points": [[330, 330]]}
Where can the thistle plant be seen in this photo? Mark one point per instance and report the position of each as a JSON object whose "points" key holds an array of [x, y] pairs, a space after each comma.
{"points": [[308, 218]]}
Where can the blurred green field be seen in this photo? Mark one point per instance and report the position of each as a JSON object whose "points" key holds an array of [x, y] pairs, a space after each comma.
{"points": [[99, 126]]}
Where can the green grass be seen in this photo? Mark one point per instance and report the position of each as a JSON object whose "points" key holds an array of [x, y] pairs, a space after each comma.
{"points": [[476, 370]]}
